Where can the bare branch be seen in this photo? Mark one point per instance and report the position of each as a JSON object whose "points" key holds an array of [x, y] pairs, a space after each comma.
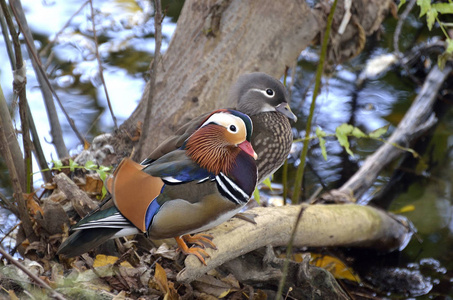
{"points": [[399, 26], [37, 144], [46, 88], [19, 84], [50, 44], [418, 119], [13, 144], [139, 154], [5, 152], [101, 71]]}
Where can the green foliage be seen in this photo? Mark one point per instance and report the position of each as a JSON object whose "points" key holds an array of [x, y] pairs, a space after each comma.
{"points": [[267, 182], [379, 132], [322, 141], [57, 165], [102, 171], [345, 131], [432, 12], [256, 193], [342, 133]]}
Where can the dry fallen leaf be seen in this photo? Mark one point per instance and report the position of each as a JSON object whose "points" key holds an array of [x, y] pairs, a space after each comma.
{"points": [[104, 260], [210, 285], [335, 266], [164, 285], [12, 295], [33, 206], [93, 184], [161, 278]]}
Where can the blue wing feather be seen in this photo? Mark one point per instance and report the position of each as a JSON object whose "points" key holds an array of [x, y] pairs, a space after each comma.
{"points": [[176, 167]]}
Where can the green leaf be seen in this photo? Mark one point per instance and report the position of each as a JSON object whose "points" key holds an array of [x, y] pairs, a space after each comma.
{"points": [[449, 46], [344, 128], [104, 192], [443, 8], [342, 133], [322, 142], [57, 164], [256, 195], [89, 165], [105, 168], [73, 165], [442, 60], [267, 182], [102, 174], [356, 132], [379, 132], [320, 133], [425, 5], [402, 2], [431, 18]]}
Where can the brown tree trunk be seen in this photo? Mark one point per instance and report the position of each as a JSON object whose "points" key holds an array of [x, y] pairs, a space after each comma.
{"points": [[216, 41]]}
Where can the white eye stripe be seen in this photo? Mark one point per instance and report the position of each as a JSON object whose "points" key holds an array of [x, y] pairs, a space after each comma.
{"points": [[227, 120], [269, 93]]}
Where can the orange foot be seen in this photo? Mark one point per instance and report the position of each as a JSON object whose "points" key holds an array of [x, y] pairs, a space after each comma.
{"points": [[198, 252], [200, 239]]}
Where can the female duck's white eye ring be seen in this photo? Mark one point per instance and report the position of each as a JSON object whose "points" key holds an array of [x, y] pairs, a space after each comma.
{"points": [[270, 92]]}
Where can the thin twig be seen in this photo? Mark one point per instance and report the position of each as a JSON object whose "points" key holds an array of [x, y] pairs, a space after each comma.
{"points": [[39, 154], [38, 280], [101, 71], [300, 169], [19, 165], [18, 194], [9, 48], [9, 232], [289, 249], [9, 205], [34, 56], [399, 26], [19, 83], [50, 44], [138, 155], [56, 132]]}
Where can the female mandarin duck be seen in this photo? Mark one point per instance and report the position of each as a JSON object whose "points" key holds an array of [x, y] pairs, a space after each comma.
{"points": [[194, 188], [265, 100]]}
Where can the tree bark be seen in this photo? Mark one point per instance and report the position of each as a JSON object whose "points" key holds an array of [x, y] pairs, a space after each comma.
{"points": [[216, 41]]}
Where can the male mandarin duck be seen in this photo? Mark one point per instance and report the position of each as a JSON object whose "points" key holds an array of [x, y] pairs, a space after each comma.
{"points": [[265, 100], [188, 190]]}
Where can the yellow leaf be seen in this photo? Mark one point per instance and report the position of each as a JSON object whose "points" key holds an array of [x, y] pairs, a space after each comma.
{"points": [[12, 295], [224, 294], [405, 209], [161, 278], [335, 266], [103, 260]]}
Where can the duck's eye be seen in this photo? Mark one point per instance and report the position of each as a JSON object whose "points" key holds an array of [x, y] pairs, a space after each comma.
{"points": [[232, 128], [270, 92]]}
